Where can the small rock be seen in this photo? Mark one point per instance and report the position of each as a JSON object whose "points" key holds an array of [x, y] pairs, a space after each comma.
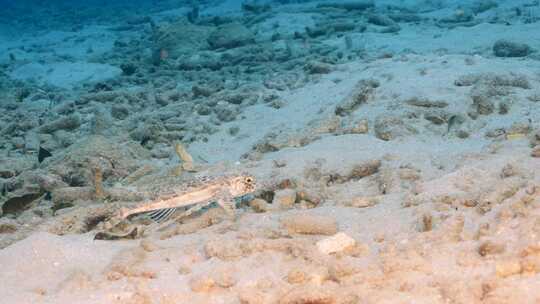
{"points": [[8, 225], [31, 141], [436, 117], [504, 108], [362, 202], [255, 8], [462, 134], [360, 94], [530, 264], [183, 270], [278, 163], [284, 199], [71, 194], [391, 127], [252, 296], [65, 108], [317, 67], [361, 127], [536, 151], [426, 103], [6, 173], [119, 111], [314, 32], [505, 48], [148, 245], [230, 36], [482, 6], [70, 122], [336, 243], [18, 142], [381, 20], [123, 194], [223, 251], [226, 112], [203, 110], [101, 121], [310, 224], [483, 105], [296, 276], [224, 279], [353, 5], [306, 294], [202, 284], [201, 90], [233, 131], [408, 174], [340, 269], [128, 68], [364, 169], [508, 268], [259, 205], [19, 201], [309, 197], [179, 38], [426, 222], [459, 16], [490, 248]]}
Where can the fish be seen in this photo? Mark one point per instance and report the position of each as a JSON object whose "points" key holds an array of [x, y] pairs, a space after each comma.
{"points": [[43, 154], [200, 194]]}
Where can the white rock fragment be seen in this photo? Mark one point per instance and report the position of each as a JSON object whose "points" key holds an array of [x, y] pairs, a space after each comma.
{"points": [[336, 243]]}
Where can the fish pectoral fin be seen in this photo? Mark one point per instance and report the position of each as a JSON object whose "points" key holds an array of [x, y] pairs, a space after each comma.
{"points": [[229, 206], [161, 215], [227, 202]]}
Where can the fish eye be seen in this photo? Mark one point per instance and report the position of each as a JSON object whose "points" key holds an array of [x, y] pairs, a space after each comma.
{"points": [[249, 180]]}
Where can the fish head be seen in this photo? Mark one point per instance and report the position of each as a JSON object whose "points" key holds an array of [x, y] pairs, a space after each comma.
{"points": [[243, 184]]}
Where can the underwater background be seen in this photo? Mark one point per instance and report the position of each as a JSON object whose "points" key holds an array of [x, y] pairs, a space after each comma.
{"points": [[269, 151]]}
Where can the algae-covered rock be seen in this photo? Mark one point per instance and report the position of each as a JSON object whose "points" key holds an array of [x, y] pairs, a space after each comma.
{"points": [[506, 48], [310, 224], [70, 122], [230, 36], [19, 201], [284, 199], [181, 38], [360, 94], [391, 127], [116, 159], [357, 5]]}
